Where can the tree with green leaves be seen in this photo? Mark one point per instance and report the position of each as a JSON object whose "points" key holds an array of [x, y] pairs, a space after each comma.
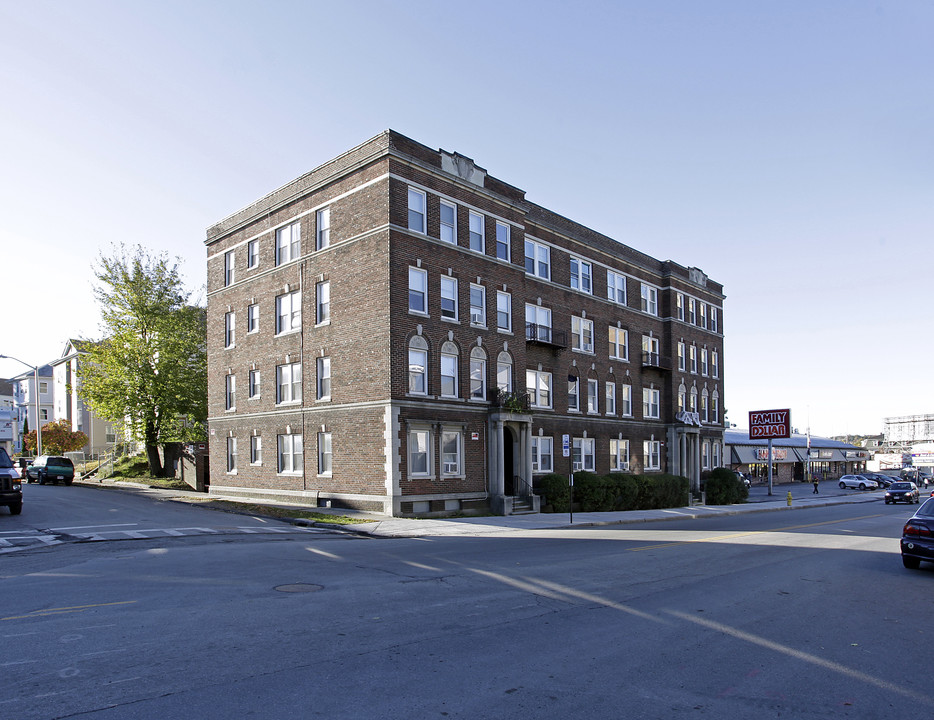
{"points": [[149, 373]]}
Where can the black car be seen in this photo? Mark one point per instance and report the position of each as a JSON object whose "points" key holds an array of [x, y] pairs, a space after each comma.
{"points": [[905, 491], [918, 536], [11, 490], [883, 480]]}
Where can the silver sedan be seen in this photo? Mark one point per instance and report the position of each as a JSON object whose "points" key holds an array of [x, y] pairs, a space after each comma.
{"points": [[858, 481]]}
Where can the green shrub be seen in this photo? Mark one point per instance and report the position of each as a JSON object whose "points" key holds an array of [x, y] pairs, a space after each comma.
{"points": [[132, 466], [554, 487], [591, 492], [626, 491], [723, 487]]}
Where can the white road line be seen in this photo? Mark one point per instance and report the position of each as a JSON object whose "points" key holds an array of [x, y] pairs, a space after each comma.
{"points": [[89, 527]]}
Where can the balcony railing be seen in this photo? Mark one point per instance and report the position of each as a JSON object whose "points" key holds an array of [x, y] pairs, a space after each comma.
{"points": [[517, 402], [545, 335], [654, 360]]}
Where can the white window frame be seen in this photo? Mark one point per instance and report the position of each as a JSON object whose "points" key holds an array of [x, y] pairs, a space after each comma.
{"points": [[581, 275], [452, 464], [543, 454], [448, 232], [288, 383], [582, 334], [619, 340], [715, 408], [619, 455], [449, 362], [610, 401], [705, 455], [539, 387], [574, 393], [252, 254], [714, 364], [704, 367], [704, 406], [323, 302], [651, 403], [503, 243], [503, 310], [230, 392], [230, 330], [325, 454], [477, 374], [692, 311], [256, 450], [649, 297], [229, 268], [583, 455], [288, 243], [252, 318], [476, 224], [289, 312], [231, 456], [323, 375], [418, 288], [419, 443], [418, 211], [593, 397], [290, 454], [323, 228], [477, 310], [255, 384], [538, 263], [616, 287], [626, 400], [650, 348], [682, 357], [679, 305], [504, 372], [652, 455], [692, 358], [714, 320], [449, 304], [541, 318], [418, 358], [703, 315]]}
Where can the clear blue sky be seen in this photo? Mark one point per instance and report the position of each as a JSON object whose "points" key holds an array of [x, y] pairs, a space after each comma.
{"points": [[784, 147]]}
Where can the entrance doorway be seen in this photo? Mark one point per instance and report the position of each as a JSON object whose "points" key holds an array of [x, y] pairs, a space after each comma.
{"points": [[509, 462]]}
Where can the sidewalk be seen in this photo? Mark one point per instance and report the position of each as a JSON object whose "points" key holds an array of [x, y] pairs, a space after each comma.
{"points": [[380, 526]]}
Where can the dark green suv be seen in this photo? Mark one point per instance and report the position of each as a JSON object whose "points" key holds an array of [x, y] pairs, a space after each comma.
{"points": [[11, 491], [51, 468]]}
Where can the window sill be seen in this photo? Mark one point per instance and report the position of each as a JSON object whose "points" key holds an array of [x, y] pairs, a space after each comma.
{"points": [[419, 313], [453, 321], [287, 332], [323, 324]]}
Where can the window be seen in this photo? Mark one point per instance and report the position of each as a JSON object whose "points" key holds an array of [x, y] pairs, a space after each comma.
{"points": [[252, 254], [323, 238], [692, 311], [650, 350], [619, 455], [693, 400], [288, 312], [650, 403], [252, 318], [230, 324], [703, 315], [582, 334], [449, 222], [289, 383], [419, 453], [478, 374], [715, 363], [416, 210], [619, 343], [450, 453], [611, 398], [290, 454], [229, 267], [502, 241], [324, 378], [504, 372], [503, 311], [449, 370], [538, 259], [593, 401], [448, 297], [43, 387], [582, 454], [324, 453], [681, 357], [538, 385], [476, 232], [679, 303], [418, 291], [682, 395], [477, 305], [716, 454], [703, 361], [256, 450], [538, 323], [714, 323], [581, 275], [715, 407], [693, 358], [418, 366], [322, 302], [616, 287], [704, 406], [542, 454], [649, 299], [230, 395], [626, 400], [254, 383], [652, 451], [44, 414], [288, 243], [705, 455], [231, 454], [574, 388]]}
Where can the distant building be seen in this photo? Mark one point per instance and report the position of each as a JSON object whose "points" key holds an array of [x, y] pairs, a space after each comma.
{"points": [[829, 458], [69, 405], [7, 416], [24, 402]]}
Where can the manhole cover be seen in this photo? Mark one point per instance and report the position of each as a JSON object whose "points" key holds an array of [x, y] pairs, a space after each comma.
{"points": [[299, 587]]}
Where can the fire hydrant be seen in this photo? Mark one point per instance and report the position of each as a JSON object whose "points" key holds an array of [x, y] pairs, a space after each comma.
{"points": [[789, 498]]}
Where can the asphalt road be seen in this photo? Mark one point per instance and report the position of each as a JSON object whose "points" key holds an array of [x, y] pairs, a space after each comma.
{"points": [[767, 615]]}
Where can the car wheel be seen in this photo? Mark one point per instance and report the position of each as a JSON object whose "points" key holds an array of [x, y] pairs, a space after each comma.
{"points": [[16, 508], [862, 486], [69, 482], [41, 479], [912, 563], [843, 486]]}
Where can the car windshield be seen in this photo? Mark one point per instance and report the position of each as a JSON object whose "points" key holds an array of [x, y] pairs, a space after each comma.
{"points": [[5, 461], [901, 486], [926, 510]]}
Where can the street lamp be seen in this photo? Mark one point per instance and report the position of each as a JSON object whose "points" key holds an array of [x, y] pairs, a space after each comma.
{"points": [[35, 371]]}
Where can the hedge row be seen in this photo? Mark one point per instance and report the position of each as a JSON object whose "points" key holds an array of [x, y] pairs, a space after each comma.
{"points": [[618, 491], [723, 487]]}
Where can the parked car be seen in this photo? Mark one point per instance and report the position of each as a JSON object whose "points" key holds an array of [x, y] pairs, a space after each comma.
{"points": [[883, 480], [917, 542], [11, 489], [860, 482], [51, 468], [904, 491], [743, 478]]}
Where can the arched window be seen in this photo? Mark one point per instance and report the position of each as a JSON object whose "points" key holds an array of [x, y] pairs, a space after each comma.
{"points": [[704, 413], [682, 395], [478, 374], [693, 407], [715, 407], [449, 370], [418, 366], [504, 372]]}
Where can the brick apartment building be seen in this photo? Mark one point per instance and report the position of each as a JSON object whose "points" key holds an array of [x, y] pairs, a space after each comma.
{"points": [[401, 332]]}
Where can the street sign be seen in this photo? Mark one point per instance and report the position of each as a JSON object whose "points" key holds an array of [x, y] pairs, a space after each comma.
{"points": [[764, 424], [566, 445]]}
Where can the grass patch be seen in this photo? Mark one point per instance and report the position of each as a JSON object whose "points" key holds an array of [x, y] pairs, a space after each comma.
{"points": [[167, 483], [283, 512]]}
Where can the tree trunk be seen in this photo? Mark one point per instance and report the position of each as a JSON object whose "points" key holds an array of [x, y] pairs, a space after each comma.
{"points": [[155, 462], [171, 452]]}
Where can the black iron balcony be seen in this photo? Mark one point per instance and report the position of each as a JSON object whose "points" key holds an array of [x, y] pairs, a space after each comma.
{"points": [[516, 402], [545, 335], [654, 360]]}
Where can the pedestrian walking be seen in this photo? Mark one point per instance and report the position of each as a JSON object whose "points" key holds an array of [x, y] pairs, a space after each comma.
{"points": [[816, 484]]}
